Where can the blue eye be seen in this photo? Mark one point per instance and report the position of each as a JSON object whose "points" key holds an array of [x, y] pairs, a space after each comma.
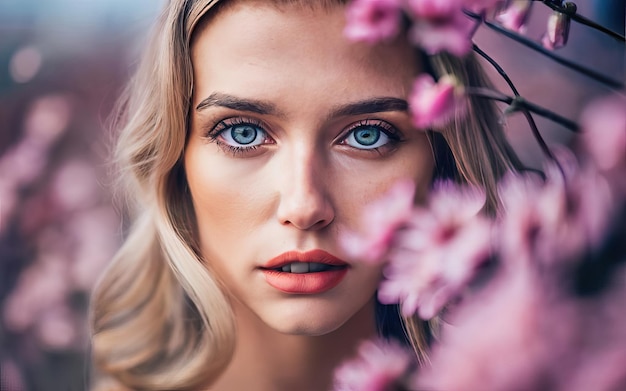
{"points": [[248, 135], [367, 137]]}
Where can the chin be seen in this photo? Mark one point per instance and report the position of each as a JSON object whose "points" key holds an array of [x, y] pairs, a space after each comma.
{"points": [[314, 320], [309, 328]]}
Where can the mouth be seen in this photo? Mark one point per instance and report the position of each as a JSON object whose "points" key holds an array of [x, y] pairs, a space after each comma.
{"points": [[308, 272], [306, 267]]}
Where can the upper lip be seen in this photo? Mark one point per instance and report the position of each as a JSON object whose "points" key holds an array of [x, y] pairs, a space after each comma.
{"points": [[317, 256]]}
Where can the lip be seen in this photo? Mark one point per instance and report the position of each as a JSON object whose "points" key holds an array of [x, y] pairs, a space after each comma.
{"points": [[304, 283]]}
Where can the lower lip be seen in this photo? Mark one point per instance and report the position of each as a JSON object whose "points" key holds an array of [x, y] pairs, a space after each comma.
{"points": [[304, 283]]}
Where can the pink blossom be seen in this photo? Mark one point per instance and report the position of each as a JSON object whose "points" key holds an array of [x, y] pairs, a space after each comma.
{"points": [[441, 26], [514, 17], [42, 285], [48, 118], [522, 219], [11, 378], [434, 104], [553, 221], [479, 6], [379, 366], [373, 20], [436, 256], [523, 333], [558, 31], [381, 219], [434, 9], [56, 328], [95, 241], [494, 343], [604, 132], [75, 186]]}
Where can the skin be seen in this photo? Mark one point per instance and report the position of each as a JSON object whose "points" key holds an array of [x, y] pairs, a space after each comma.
{"points": [[305, 184]]}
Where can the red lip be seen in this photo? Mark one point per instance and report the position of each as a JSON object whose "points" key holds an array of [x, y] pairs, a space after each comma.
{"points": [[319, 256], [304, 283]]}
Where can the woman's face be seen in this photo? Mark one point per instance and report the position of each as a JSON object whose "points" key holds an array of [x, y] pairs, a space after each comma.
{"points": [[294, 130]]}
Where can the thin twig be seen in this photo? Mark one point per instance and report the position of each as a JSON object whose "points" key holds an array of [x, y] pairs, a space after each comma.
{"points": [[570, 10], [519, 103], [497, 68], [538, 47], [531, 121]]}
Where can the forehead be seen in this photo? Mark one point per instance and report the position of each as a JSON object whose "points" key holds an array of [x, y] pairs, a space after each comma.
{"points": [[265, 51]]}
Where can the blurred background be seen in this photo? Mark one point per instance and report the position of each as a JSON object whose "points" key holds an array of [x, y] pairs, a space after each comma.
{"points": [[63, 64]]}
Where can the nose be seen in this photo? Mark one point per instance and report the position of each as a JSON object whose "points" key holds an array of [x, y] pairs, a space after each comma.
{"points": [[305, 201]]}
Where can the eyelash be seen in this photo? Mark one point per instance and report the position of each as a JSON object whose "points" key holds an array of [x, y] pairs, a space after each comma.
{"points": [[389, 130], [214, 133]]}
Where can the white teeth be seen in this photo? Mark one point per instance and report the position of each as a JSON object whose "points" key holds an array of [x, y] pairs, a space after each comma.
{"points": [[305, 267], [299, 267]]}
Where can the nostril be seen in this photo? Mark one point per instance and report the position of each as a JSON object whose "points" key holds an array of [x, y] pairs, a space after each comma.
{"points": [[307, 216]]}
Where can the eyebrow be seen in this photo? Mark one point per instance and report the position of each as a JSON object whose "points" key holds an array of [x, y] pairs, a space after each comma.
{"points": [[369, 106], [366, 106], [240, 104]]}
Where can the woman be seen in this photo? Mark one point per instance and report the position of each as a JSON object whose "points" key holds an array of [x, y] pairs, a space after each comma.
{"points": [[252, 137]]}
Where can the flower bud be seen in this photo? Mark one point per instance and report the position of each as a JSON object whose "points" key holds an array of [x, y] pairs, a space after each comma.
{"points": [[558, 31], [514, 17], [434, 104]]}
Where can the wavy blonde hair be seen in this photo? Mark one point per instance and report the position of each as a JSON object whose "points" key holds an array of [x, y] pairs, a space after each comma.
{"points": [[160, 320]]}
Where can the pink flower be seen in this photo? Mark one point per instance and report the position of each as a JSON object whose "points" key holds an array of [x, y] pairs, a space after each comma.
{"points": [[558, 31], [479, 6], [441, 26], [373, 20], [434, 9], [527, 333], [604, 132], [437, 255], [514, 17], [434, 104], [495, 343], [381, 220], [554, 221], [379, 366], [11, 378]]}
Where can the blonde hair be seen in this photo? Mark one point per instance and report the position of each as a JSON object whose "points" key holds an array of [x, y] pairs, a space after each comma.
{"points": [[160, 320]]}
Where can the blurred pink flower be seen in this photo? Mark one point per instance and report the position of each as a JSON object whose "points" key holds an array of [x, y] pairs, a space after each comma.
{"points": [[514, 17], [373, 20], [42, 285], [48, 118], [56, 328], [434, 104], [480, 6], [523, 333], [24, 162], [381, 220], [25, 64], [554, 221], [494, 343], [434, 9], [557, 32], [604, 132], [95, 233], [438, 253], [441, 26], [11, 378], [522, 218], [379, 366], [75, 186]]}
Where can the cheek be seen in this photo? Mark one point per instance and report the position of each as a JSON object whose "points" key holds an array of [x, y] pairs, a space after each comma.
{"points": [[226, 208], [365, 184]]}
